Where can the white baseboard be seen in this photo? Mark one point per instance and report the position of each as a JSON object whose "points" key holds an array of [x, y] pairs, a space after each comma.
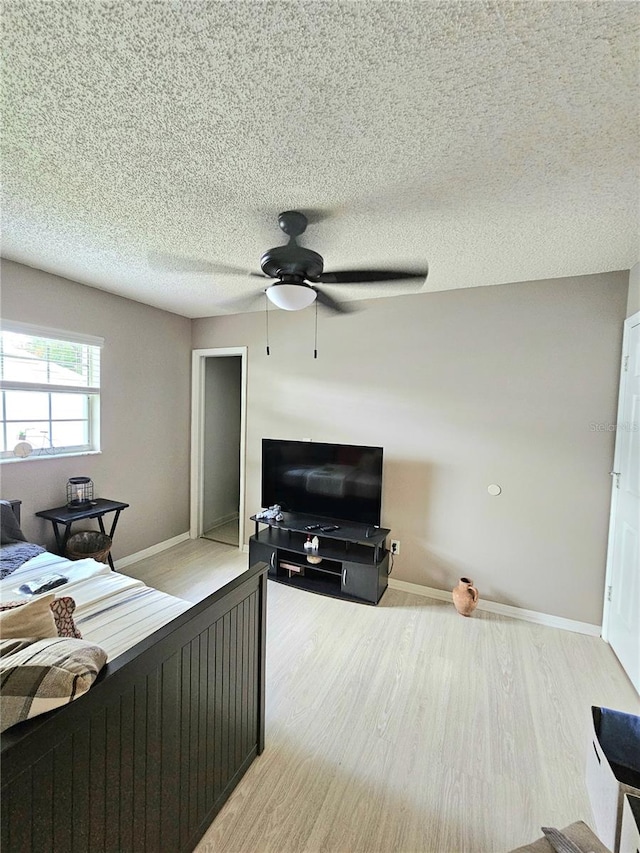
{"points": [[149, 552], [503, 609], [245, 548]]}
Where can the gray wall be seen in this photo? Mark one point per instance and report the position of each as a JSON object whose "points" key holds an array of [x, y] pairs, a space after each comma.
{"points": [[221, 457], [145, 410], [462, 388]]}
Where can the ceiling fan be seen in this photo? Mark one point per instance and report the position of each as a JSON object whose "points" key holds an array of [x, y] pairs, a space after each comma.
{"points": [[298, 271]]}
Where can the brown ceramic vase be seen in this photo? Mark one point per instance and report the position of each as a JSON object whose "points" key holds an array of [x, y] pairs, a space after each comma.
{"points": [[465, 597]]}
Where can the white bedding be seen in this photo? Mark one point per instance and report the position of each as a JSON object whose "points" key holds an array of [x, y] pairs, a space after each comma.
{"points": [[112, 610]]}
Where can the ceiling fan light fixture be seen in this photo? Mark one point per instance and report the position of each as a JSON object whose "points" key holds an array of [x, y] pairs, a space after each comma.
{"points": [[291, 297]]}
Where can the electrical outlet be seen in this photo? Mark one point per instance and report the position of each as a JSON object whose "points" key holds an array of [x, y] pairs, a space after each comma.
{"points": [[395, 546]]}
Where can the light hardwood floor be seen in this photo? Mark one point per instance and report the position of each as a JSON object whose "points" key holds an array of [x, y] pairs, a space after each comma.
{"points": [[227, 533], [405, 728], [191, 570]]}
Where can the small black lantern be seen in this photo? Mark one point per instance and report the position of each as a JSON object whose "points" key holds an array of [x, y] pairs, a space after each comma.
{"points": [[79, 492]]}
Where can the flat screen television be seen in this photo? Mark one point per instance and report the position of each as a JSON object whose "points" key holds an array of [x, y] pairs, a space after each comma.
{"points": [[341, 481]]}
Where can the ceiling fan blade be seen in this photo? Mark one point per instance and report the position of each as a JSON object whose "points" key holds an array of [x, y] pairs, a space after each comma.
{"points": [[166, 262], [244, 303], [315, 215], [330, 303], [365, 276]]}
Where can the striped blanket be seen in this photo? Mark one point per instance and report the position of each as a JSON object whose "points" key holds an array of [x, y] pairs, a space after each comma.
{"points": [[113, 611]]}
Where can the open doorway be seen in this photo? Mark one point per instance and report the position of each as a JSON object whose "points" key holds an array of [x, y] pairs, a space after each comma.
{"points": [[221, 449], [217, 451]]}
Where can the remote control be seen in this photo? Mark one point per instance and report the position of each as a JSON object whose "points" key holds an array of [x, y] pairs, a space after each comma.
{"points": [[330, 527], [313, 527], [44, 584]]}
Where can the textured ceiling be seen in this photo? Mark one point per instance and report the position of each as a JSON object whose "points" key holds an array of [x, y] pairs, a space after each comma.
{"points": [[496, 140]]}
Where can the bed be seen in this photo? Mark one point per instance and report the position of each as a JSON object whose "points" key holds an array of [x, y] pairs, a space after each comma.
{"points": [[147, 757]]}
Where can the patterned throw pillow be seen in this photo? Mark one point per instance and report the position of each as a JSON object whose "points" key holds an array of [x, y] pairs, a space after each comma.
{"points": [[62, 611]]}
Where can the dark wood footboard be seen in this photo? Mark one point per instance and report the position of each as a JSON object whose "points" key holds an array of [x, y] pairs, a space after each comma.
{"points": [[146, 758]]}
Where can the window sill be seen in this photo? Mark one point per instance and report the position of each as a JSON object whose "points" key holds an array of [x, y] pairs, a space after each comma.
{"points": [[38, 457]]}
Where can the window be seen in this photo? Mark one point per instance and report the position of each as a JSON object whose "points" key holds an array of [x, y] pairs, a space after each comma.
{"points": [[50, 392]]}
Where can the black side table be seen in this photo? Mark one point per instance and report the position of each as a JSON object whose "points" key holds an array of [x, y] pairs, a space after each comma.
{"points": [[66, 515]]}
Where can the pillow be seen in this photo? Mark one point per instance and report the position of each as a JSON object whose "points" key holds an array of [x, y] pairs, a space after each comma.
{"points": [[577, 833], [40, 675], [33, 619], [560, 842], [62, 611], [9, 527]]}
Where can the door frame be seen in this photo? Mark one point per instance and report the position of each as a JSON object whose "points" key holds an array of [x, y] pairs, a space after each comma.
{"points": [[198, 364], [629, 323]]}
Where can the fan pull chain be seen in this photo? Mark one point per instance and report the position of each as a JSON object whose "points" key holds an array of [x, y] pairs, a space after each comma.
{"points": [[266, 314], [315, 343]]}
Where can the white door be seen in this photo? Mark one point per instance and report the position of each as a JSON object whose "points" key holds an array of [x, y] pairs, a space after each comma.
{"points": [[622, 599]]}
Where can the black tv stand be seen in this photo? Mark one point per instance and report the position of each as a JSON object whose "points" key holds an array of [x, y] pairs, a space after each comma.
{"points": [[354, 558]]}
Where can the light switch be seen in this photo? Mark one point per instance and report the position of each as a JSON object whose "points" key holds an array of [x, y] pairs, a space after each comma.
{"points": [[494, 489]]}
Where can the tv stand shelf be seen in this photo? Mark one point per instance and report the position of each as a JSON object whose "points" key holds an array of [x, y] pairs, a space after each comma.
{"points": [[354, 557]]}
